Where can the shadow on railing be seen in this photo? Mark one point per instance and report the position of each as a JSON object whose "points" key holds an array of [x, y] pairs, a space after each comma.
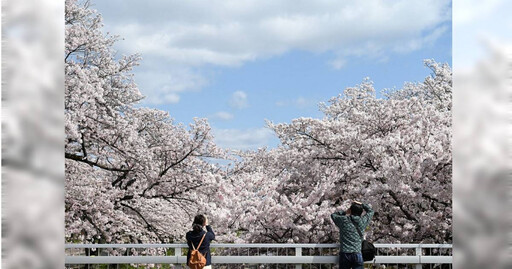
{"points": [[282, 255]]}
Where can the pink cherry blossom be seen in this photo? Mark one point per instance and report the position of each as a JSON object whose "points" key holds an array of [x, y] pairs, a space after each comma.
{"points": [[134, 175]]}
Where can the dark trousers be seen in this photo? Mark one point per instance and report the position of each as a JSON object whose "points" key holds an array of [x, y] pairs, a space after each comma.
{"points": [[351, 261]]}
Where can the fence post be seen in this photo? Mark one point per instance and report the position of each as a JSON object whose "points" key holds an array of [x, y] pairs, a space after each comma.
{"points": [[419, 254], [298, 252], [177, 253]]}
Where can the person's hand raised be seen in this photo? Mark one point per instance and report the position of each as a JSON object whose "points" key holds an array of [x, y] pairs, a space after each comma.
{"points": [[205, 220]]}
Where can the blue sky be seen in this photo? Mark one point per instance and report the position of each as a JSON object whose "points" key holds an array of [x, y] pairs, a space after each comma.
{"points": [[240, 62]]}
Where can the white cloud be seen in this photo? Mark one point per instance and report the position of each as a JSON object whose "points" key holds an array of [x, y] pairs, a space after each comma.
{"points": [[170, 98], [229, 33], [338, 63], [163, 86], [178, 38], [238, 100], [244, 139], [415, 44], [281, 103], [222, 115], [299, 102]]}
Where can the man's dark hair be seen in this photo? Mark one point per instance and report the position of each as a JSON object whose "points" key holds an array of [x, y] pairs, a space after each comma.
{"points": [[356, 209], [198, 223]]}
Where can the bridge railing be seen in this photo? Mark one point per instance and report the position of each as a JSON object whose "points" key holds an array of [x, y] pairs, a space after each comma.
{"points": [[288, 255]]}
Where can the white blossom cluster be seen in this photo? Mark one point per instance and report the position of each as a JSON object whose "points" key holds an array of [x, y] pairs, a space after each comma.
{"points": [[132, 175], [393, 152]]}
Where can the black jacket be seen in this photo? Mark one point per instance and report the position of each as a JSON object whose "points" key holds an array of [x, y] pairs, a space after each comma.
{"points": [[195, 237]]}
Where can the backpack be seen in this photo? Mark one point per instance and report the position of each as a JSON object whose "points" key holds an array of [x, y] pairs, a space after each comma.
{"points": [[197, 260], [367, 248]]}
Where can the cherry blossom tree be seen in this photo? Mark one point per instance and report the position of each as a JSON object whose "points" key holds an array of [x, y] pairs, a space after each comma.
{"points": [[132, 174], [392, 152]]}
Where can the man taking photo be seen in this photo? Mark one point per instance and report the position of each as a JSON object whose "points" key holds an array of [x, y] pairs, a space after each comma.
{"points": [[350, 240]]}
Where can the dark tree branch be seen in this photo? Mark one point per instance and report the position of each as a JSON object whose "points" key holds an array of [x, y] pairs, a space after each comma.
{"points": [[174, 194], [435, 199], [150, 227], [369, 164], [401, 206], [85, 160], [120, 178], [313, 138], [75, 50], [84, 151], [181, 160], [89, 219]]}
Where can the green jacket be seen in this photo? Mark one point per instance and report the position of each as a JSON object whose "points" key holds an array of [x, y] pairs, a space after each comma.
{"points": [[350, 241]]}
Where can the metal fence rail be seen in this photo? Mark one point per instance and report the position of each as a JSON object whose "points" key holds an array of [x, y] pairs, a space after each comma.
{"points": [[386, 254]]}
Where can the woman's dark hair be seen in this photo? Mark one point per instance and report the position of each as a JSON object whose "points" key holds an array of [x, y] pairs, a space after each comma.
{"points": [[198, 223], [356, 209]]}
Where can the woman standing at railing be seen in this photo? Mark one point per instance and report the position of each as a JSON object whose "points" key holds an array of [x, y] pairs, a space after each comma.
{"points": [[199, 239]]}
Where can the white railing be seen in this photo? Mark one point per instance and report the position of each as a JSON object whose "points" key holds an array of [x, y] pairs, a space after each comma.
{"points": [[294, 254]]}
